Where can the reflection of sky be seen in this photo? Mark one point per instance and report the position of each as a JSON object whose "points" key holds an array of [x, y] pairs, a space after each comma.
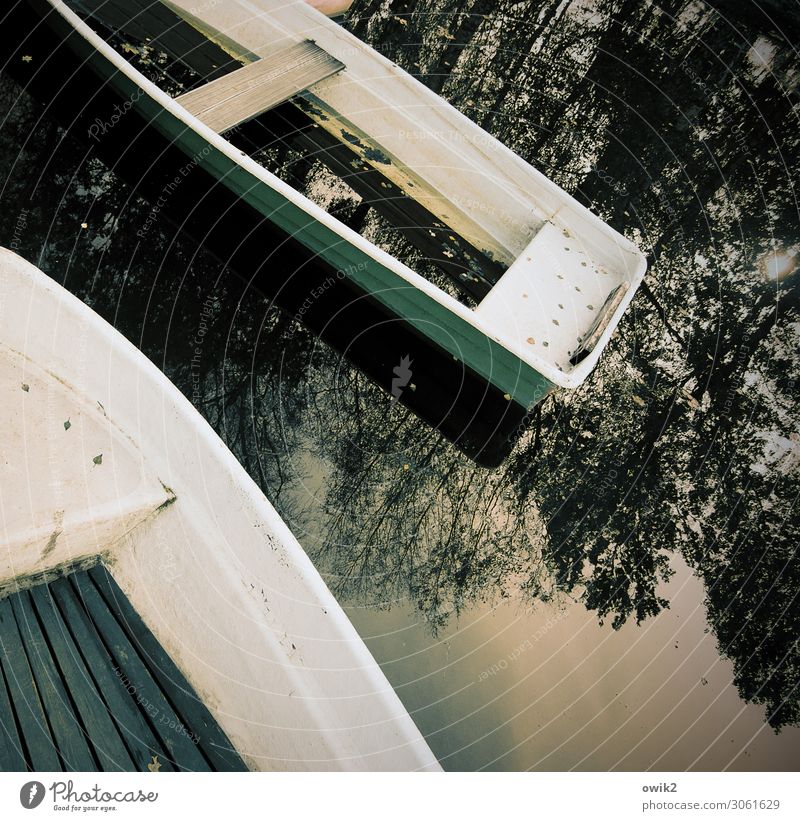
{"points": [[552, 690]]}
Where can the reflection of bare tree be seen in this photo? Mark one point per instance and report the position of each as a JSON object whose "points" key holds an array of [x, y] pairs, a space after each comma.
{"points": [[686, 438], [407, 516], [673, 445]]}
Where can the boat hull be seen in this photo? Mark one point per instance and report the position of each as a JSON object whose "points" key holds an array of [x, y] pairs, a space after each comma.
{"points": [[198, 551]]}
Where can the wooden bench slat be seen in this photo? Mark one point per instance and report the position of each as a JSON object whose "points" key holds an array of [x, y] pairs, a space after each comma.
{"points": [[167, 725], [211, 739], [12, 758], [66, 730], [259, 86], [139, 738], [108, 745], [42, 755]]}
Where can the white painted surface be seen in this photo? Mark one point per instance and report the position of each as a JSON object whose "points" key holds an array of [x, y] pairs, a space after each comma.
{"points": [[550, 296], [330, 8], [217, 575], [56, 503]]}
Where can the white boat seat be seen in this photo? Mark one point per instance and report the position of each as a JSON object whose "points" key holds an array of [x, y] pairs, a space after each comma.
{"points": [[553, 300], [249, 91]]}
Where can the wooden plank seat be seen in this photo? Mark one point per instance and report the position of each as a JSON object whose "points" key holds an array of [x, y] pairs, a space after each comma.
{"points": [[84, 685], [259, 86]]}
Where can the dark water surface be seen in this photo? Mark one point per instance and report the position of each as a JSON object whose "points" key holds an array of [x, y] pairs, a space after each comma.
{"points": [[622, 591]]}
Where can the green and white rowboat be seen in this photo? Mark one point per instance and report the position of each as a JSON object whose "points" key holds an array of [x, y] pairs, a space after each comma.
{"points": [[568, 277]]}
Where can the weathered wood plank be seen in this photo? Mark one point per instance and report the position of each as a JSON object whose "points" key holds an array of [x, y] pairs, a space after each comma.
{"points": [[12, 757], [68, 735], [470, 182], [139, 738], [249, 91], [41, 752], [107, 743], [211, 739], [134, 675]]}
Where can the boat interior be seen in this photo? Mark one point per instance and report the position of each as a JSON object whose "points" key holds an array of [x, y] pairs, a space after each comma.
{"points": [[389, 159]]}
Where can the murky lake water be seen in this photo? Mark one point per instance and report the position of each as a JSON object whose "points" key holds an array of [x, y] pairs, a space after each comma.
{"points": [[663, 492]]}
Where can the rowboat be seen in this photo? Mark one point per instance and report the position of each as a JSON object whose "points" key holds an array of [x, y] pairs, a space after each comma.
{"points": [[155, 610], [535, 283]]}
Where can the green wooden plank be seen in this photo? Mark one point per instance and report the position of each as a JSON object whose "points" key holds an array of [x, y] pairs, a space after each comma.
{"points": [[139, 738], [12, 758], [212, 740], [35, 732], [135, 676], [108, 746], [68, 735]]}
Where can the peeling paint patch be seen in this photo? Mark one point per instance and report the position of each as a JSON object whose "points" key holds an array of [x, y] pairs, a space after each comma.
{"points": [[351, 138], [376, 155], [58, 521], [51, 544]]}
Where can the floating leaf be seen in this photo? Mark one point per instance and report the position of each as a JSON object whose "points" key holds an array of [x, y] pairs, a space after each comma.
{"points": [[154, 766]]}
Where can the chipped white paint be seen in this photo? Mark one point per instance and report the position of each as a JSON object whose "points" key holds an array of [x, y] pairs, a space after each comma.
{"points": [[217, 575], [550, 296]]}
